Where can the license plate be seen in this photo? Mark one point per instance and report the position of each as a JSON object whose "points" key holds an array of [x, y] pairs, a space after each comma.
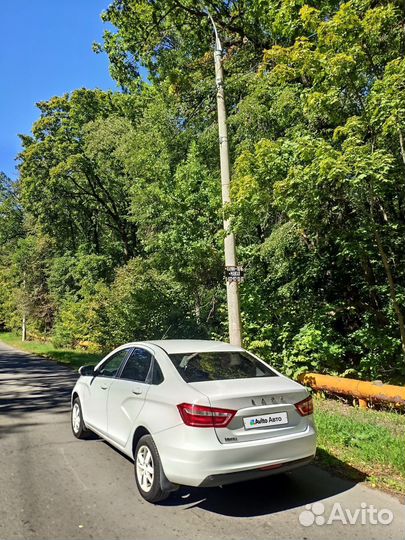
{"points": [[266, 420]]}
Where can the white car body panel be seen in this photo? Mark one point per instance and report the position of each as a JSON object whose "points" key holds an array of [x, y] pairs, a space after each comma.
{"points": [[125, 402], [191, 455], [191, 462], [96, 404], [252, 397]]}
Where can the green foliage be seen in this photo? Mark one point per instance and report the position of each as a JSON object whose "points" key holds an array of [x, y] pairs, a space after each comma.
{"points": [[11, 214], [324, 193], [116, 219], [24, 276], [311, 349], [73, 187], [81, 320], [145, 302]]}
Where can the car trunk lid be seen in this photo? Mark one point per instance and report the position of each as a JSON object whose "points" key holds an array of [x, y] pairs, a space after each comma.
{"points": [[265, 407]]}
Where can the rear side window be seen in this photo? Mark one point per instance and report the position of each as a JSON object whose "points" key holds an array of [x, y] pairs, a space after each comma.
{"points": [[157, 376], [219, 366], [137, 366]]}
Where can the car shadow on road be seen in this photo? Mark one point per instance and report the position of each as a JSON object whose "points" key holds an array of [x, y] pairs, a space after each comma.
{"points": [[266, 495], [269, 495]]}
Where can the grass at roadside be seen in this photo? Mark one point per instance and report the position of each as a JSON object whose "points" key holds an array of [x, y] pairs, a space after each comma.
{"points": [[361, 444], [71, 357]]}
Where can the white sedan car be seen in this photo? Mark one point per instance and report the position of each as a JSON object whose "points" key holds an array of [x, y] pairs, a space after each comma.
{"points": [[197, 413]]}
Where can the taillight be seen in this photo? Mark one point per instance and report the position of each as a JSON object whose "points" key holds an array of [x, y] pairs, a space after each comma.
{"points": [[201, 416], [305, 407]]}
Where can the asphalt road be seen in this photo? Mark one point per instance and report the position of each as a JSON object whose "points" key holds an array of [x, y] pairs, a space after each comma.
{"points": [[54, 486]]}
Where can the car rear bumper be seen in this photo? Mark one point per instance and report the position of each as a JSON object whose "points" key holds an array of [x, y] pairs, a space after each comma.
{"points": [[195, 457], [252, 474]]}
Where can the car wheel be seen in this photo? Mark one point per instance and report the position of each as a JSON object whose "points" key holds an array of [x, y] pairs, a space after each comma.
{"points": [[149, 474], [78, 427]]}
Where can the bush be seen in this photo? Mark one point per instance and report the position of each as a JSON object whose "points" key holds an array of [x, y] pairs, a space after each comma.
{"points": [[144, 303], [313, 348], [81, 320]]}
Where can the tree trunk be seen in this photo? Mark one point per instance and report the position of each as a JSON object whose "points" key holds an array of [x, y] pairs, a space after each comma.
{"points": [[387, 268], [24, 328], [24, 317], [391, 283], [374, 304], [401, 145]]}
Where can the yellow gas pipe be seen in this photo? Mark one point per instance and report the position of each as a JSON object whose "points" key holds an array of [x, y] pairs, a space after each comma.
{"points": [[364, 391]]}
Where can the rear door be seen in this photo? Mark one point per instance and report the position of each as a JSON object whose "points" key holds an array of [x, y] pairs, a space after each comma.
{"points": [[127, 395]]}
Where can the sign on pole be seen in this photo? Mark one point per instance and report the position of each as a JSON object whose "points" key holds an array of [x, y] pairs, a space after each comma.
{"points": [[234, 273]]}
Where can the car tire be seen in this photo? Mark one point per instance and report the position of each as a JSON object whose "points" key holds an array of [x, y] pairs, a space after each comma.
{"points": [[76, 421], [150, 479]]}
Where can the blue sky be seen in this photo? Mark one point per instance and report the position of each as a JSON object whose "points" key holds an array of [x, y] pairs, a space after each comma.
{"points": [[46, 51]]}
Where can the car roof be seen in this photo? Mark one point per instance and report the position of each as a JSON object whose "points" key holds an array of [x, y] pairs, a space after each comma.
{"points": [[178, 346]]}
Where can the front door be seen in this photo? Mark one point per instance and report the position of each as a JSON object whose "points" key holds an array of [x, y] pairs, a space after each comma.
{"points": [[127, 395], [96, 405]]}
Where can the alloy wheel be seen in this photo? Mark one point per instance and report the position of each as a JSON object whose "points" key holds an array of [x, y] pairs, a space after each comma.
{"points": [[76, 418], [145, 468]]}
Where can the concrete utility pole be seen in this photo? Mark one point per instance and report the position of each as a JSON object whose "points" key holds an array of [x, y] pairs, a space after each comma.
{"points": [[232, 285]]}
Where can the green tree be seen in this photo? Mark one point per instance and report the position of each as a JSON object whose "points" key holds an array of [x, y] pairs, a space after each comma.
{"points": [[74, 188], [120, 192]]}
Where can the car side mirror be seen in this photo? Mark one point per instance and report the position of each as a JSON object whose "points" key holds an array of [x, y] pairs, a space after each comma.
{"points": [[87, 371]]}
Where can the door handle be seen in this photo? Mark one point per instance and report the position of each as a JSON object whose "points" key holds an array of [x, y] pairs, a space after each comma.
{"points": [[103, 387], [137, 390]]}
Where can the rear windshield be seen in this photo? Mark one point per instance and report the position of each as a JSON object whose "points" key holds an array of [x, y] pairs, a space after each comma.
{"points": [[219, 366]]}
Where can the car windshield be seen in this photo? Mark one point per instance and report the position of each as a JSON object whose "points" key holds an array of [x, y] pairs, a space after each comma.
{"points": [[219, 366]]}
